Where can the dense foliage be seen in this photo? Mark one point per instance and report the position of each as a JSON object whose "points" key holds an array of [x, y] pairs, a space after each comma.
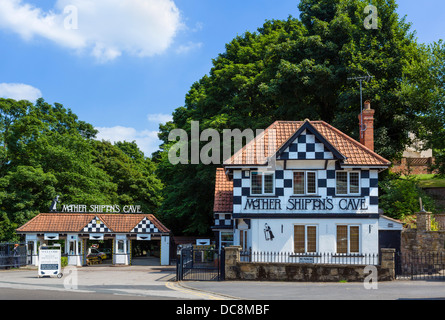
{"points": [[46, 151], [289, 69], [300, 68], [428, 92], [401, 197]]}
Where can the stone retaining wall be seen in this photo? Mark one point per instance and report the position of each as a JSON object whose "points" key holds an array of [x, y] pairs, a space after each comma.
{"points": [[261, 271], [423, 239]]}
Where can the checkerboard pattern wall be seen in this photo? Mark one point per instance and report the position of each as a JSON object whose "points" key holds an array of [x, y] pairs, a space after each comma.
{"points": [[306, 147], [223, 220], [145, 226], [96, 225], [326, 186]]}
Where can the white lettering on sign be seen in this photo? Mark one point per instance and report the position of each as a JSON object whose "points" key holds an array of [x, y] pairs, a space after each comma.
{"points": [[132, 209], [306, 204], [74, 208], [96, 208], [105, 208]]}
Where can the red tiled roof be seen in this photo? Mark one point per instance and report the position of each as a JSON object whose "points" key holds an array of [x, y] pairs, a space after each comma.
{"points": [[223, 192], [355, 153], [75, 222]]}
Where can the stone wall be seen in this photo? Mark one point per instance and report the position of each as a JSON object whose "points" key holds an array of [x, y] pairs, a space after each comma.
{"points": [[261, 271], [432, 241], [440, 219], [423, 239]]}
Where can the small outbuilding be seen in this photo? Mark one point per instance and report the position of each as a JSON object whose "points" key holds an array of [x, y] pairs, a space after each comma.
{"points": [[390, 233], [124, 236]]}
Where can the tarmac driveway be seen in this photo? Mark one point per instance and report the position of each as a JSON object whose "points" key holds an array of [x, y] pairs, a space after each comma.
{"points": [[157, 282]]}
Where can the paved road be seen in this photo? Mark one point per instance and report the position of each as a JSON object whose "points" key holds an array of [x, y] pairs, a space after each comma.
{"points": [[394, 290], [33, 294], [135, 282], [155, 283]]}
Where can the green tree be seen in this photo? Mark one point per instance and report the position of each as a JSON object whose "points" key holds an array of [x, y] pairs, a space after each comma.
{"points": [[401, 197], [132, 173], [23, 192], [428, 93], [291, 70], [22, 124], [46, 151]]}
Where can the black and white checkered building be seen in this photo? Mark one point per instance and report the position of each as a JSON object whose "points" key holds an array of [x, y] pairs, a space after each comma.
{"points": [[326, 186], [96, 225], [306, 147], [223, 220], [145, 226], [341, 194]]}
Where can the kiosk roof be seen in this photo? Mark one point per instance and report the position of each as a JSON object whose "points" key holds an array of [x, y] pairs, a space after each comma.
{"points": [[76, 222]]}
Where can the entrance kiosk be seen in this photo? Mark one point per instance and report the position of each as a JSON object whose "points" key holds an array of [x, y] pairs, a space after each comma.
{"points": [[122, 250], [74, 249], [76, 229]]}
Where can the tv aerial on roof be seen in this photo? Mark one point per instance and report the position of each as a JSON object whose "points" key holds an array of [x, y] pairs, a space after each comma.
{"points": [[366, 78]]}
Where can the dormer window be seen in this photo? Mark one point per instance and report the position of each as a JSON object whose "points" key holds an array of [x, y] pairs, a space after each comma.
{"points": [[262, 183]]}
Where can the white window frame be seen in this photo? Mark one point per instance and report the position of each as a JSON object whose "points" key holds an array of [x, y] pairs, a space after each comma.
{"points": [[306, 193], [317, 242], [263, 174], [226, 242], [348, 183], [349, 237], [243, 235]]}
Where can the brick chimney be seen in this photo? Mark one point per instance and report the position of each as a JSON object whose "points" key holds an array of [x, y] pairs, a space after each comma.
{"points": [[367, 131]]}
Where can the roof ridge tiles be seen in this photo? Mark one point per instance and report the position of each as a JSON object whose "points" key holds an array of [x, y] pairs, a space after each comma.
{"points": [[75, 222], [357, 143], [373, 157]]}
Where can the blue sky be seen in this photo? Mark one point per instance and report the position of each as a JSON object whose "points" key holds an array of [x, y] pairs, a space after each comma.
{"points": [[125, 65]]}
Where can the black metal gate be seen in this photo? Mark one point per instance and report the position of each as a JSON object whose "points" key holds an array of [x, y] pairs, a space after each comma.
{"points": [[420, 266], [200, 264], [12, 255]]}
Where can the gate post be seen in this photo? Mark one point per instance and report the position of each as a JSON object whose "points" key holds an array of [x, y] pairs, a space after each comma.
{"points": [[232, 258], [222, 265], [388, 261], [423, 221], [179, 266]]}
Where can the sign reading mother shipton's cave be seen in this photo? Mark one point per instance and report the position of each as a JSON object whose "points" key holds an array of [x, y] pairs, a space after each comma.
{"points": [[306, 204]]}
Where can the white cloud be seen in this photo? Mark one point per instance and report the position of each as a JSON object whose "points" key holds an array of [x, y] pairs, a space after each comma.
{"points": [[146, 140], [19, 91], [182, 49], [159, 118], [106, 29]]}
